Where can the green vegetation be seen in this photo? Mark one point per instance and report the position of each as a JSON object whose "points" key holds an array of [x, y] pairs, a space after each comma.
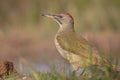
{"points": [[90, 73]]}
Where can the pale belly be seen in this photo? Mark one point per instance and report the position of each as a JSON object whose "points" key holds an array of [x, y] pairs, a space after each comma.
{"points": [[75, 60]]}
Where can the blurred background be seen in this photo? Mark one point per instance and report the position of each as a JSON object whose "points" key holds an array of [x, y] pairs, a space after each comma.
{"points": [[25, 34]]}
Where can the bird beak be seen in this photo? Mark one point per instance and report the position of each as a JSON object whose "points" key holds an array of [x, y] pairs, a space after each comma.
{"points": [[53, 16], [49, 15]]}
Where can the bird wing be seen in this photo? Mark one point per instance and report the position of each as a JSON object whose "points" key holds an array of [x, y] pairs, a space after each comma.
{"points": [[76, 44]]}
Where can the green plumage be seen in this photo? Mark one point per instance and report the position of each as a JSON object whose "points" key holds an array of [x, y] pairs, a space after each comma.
{"points": [[73, 43]]}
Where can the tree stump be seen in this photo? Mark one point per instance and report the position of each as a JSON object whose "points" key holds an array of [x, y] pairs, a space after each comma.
{"points": [[7, 68]]}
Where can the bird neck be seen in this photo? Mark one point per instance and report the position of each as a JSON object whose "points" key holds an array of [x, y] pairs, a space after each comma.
{"points": [[66, 28]]}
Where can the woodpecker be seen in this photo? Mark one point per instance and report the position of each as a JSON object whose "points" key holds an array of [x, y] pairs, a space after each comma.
{"points": [[72, 46]]}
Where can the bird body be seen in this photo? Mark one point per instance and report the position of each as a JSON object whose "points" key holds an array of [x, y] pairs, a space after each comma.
{"points": [[75, 49], [72, 46]]}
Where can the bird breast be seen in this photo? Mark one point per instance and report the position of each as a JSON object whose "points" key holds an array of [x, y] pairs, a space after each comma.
{"points": [[66, 54]]}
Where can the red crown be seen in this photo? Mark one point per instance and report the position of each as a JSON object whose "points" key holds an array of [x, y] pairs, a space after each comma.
{"points": [[67, 14]]}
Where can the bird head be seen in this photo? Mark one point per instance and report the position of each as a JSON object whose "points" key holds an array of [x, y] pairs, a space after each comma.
{"points": [[61, 18]]}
